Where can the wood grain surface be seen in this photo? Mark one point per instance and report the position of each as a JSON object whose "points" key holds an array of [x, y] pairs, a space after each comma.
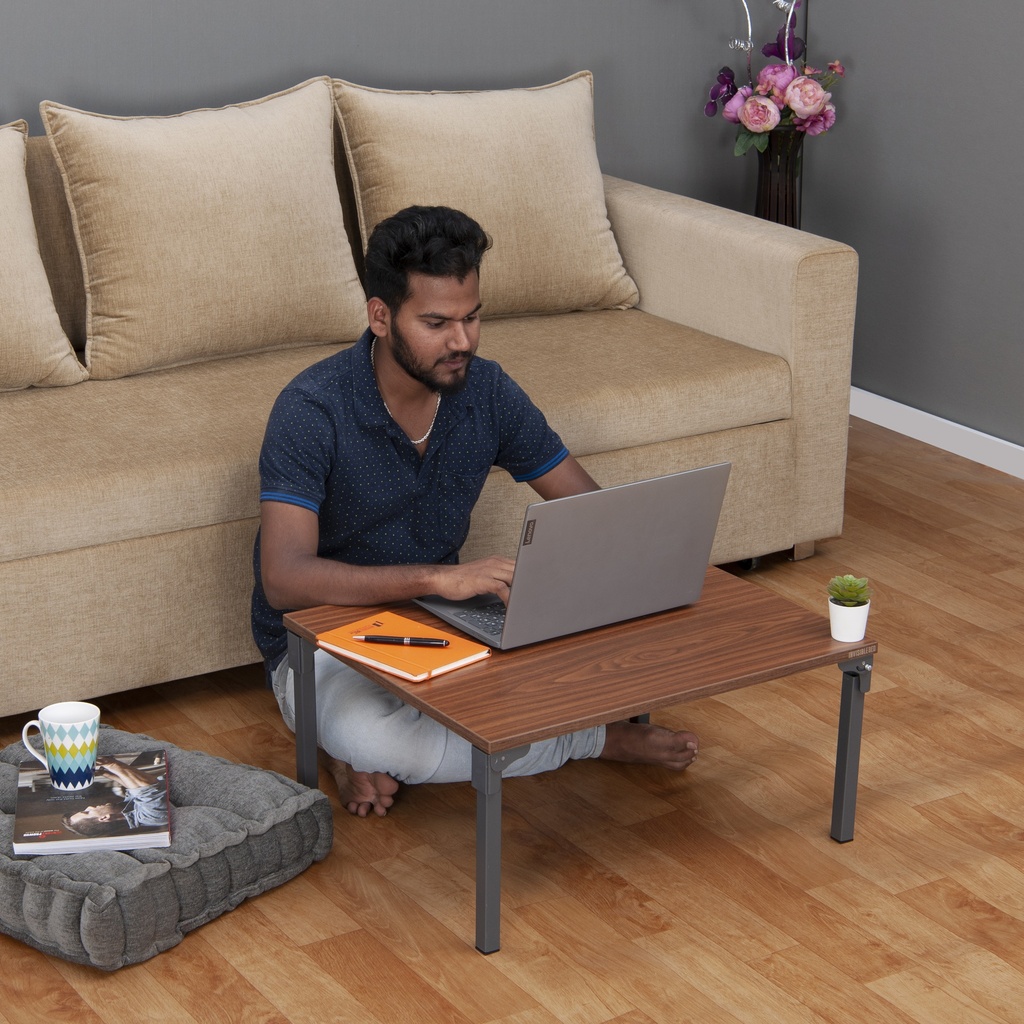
{"points": [[638, 896], [736, 635]]}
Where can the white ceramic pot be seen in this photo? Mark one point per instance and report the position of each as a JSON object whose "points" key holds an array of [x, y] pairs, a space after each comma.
{"points": [[848, 624]]}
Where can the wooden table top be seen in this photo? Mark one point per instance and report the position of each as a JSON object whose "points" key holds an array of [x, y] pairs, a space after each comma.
{"points": [[736, 635]]}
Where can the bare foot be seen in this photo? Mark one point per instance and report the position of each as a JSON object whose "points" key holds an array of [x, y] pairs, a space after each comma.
{"points": [[640, 743], [362, 792]]}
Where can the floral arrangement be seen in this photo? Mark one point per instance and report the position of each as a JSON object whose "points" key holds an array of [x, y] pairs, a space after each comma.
{"points": [[782, 97]]}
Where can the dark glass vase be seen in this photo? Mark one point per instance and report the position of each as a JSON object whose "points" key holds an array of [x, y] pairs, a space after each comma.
{"points": [[778, 177]]}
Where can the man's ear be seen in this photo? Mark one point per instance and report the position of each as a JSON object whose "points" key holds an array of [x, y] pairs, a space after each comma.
{"points": [[379, 317]]}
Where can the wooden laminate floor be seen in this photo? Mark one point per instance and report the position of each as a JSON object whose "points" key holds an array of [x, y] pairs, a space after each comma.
{"points": [[632, 895]]}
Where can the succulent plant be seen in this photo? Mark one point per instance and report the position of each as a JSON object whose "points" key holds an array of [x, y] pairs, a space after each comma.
{"points": [[849, 591]]}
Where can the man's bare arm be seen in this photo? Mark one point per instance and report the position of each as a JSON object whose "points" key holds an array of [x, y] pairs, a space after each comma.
{"points": [[295, 576], [567, 478]]}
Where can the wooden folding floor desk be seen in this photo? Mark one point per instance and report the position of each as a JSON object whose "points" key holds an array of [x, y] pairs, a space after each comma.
{"points": [[736, 635]]}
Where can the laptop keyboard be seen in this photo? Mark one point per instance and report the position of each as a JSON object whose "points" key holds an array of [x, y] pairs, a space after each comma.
{"points": [[488, 618]]}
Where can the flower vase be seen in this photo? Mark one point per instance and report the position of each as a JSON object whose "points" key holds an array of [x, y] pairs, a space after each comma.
{"points": [[778, 177]]}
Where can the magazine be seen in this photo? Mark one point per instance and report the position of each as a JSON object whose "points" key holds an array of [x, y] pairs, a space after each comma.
{"points": [[125, 808]]}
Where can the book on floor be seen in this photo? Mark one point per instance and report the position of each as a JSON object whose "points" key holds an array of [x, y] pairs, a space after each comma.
{"points": [[125, 808], [409, 662]]}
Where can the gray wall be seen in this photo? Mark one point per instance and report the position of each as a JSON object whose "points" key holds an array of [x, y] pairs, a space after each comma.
{"points": [[921, 174], [924, 176]]}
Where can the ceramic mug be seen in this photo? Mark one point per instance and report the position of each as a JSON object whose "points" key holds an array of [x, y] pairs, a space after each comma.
{"points": [[70, 731]]}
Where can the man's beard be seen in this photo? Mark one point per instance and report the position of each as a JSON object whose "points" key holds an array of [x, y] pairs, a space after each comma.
{"points": [[428, 378]]}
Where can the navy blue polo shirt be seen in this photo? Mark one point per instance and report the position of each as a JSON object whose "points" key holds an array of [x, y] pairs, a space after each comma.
{"points": [[331, 447]]}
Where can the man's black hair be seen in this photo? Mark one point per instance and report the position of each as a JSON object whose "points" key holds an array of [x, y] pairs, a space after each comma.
{"points": [[433, 240], [95, 826]]}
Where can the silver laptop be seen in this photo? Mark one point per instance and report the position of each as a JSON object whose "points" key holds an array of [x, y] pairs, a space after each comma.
{"points": [[601, 557]]}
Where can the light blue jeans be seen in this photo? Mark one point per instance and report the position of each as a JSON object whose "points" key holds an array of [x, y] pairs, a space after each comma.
{"points": [[370, 729]]}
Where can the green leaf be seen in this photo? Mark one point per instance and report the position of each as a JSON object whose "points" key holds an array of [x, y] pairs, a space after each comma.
{"points": [[761, 142], [849, 590], [744, 140]]}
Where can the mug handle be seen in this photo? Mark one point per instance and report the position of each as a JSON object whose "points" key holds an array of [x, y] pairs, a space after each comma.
{"points": [[28, 746]]}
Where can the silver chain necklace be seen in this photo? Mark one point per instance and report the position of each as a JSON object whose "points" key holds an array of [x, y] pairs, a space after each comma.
{"points": [[373, 366]]}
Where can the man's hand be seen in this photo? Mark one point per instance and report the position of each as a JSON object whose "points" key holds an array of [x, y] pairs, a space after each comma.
{"points": [[491, 575]]}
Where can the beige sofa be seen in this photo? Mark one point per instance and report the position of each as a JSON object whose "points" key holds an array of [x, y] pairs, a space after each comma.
{"points": [[197, 263]]}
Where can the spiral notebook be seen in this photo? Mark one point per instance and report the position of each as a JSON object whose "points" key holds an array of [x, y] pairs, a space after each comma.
{"points": [[413, 663]]}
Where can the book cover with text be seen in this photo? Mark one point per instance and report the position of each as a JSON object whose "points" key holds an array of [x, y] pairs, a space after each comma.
{"points": [[125, 808]]}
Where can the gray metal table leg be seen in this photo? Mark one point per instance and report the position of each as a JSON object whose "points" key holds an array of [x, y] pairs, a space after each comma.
{"points": [[300, 658], [856, 683], [487, 769]]}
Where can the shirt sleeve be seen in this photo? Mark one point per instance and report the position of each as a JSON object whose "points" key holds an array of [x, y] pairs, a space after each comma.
{"points": [[528, 446], [298, 451]]}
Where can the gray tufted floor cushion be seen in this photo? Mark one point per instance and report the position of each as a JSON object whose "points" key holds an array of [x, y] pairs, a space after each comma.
{"points": [[236, 831]]}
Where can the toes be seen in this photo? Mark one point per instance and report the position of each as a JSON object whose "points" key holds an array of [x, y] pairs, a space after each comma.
{"points": [[364, 808]]}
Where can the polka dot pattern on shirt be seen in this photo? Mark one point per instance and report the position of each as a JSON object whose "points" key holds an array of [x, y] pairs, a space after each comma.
{"points": [[331, 447]]}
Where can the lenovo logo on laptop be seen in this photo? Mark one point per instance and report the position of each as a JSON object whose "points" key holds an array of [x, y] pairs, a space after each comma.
{"points": [[528, 535]]}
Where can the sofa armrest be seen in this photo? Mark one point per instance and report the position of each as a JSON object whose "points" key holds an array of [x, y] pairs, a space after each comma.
{"points": [[764, 286]]}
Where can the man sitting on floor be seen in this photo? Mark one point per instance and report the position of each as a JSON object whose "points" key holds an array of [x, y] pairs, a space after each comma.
{"points": [[372, 462]]}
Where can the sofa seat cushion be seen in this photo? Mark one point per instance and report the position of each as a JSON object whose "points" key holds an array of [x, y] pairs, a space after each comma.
{"points": [[236, 831], [617, 379], [114, 460], [177, 449]]}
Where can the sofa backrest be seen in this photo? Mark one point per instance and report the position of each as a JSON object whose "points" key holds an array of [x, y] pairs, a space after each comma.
{"points": [[168, 266]]}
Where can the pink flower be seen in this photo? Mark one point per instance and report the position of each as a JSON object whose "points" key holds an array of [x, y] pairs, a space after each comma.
{"points": [[837, 69], [759, 114], [772, 81], [731, 110], [818, 123], [806, 97]]}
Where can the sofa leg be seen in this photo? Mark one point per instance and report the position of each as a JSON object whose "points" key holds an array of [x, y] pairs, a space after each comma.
{"points": [[803, 550]]}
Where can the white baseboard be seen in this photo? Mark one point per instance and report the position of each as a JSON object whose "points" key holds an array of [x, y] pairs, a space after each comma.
{"points": [[945, 434]]}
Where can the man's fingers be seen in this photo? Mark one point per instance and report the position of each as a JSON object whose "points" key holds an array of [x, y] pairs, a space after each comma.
{"points": [[484, 576]]}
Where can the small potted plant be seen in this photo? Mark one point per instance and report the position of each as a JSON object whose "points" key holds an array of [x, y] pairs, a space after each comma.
{"points": [[849, 598]]}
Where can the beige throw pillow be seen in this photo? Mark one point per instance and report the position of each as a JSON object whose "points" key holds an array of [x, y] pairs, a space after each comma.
{"points": [[208, 233], [523, 162], [33, 346]]}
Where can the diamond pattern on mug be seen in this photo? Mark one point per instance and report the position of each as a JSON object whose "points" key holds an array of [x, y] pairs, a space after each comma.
{"points": [[71, 750], [69, 732]]}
